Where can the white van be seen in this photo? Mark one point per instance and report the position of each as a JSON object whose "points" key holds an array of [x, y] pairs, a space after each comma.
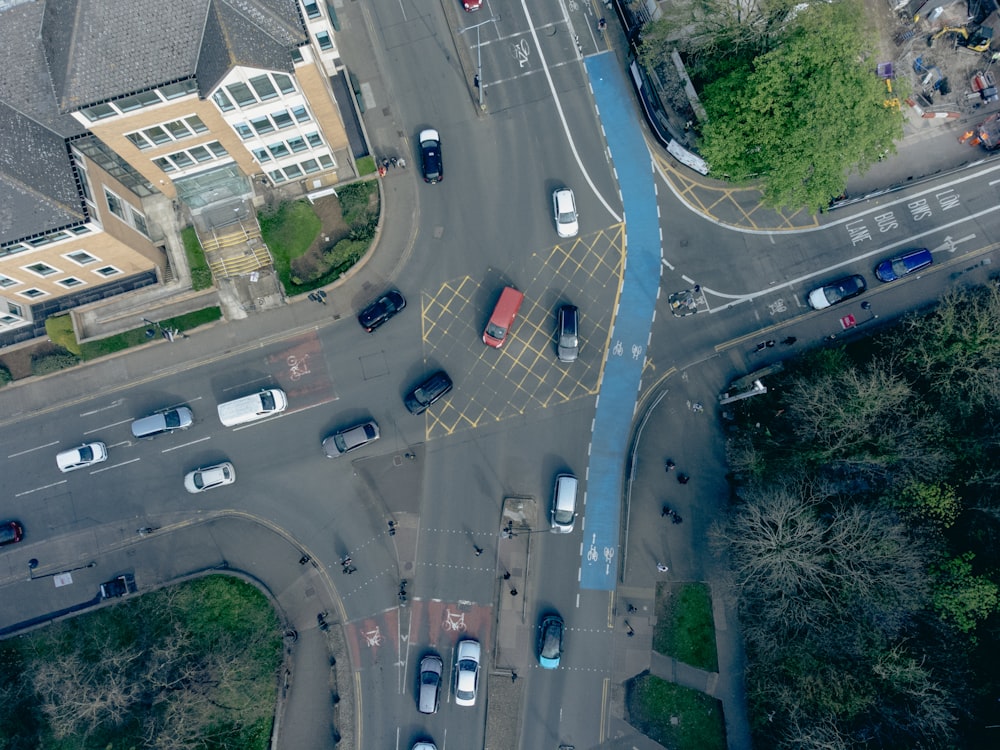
{"points": [[564, 504], [249, 408]]}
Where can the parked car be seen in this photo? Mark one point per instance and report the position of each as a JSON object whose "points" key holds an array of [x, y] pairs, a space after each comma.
{"points": [[210, 477], [467, 673], [837, 291], [568, 345], [428, 392], [471, 5], [11, 532], [550, 641], [167, 420], [82, 456], [122, 585], [502, 318], [564, 209], [381, 310], [430, 155], [424, 745], [909, 262], [351, 438], [429, 695]]}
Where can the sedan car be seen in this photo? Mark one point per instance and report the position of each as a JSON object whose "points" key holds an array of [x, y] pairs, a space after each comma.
{"points": [[85, 455], [909, 262], [423, 745], [430, 155], [11, 532], [381, 310], [467, 673], [431, 669], [564, 208], [837, 291], [550, 638], [428, 392], [351, 438], [568, 345], [210, 477]]}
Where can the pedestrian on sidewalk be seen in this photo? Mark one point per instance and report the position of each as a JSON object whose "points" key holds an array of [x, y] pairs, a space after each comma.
{"points": [[478, 549], [683, 479], [665, 512], [661, 567]]}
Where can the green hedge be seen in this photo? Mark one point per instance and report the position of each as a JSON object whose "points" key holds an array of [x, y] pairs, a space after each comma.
{"points": [[5, 376], [137, 336], [201, 274], [53, 361]]}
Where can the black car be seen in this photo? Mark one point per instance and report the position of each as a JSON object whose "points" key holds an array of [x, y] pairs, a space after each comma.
{"points": [[11, 532], [123, 585], [430, 155], [837, 291], [381, 310], [427, 392]]}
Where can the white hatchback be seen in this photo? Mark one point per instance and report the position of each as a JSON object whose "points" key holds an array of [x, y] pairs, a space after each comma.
{"points": [[564, 208], [467, 673], [85, 455], [210, 477]]}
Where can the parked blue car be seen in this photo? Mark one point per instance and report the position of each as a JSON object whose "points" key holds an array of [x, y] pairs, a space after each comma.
{"points": [[909, 262]]}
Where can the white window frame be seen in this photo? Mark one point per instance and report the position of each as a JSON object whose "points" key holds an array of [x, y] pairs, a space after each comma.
{"points": [[52, 269], [77, 279], [93, 258], [114, 271], [28, 293]]}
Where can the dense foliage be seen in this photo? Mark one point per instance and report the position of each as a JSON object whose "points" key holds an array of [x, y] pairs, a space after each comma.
{"points": [[865, 538]]}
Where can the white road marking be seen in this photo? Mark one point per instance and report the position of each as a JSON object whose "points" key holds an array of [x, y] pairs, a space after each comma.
{"points": [[115, 466], [39, 489], [36, 448], [185, 445]]}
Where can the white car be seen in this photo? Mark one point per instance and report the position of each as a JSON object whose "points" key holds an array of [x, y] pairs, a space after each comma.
{"points": [[85, 455], [467, 673], [564, 208], [210, 477], [425, 746]]}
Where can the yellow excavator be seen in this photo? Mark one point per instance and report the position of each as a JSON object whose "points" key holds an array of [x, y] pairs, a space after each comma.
{"points": [[976, 40]]}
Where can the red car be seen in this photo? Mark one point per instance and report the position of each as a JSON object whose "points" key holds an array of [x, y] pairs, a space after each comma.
{"points": [[11, 532], [471, 5]]}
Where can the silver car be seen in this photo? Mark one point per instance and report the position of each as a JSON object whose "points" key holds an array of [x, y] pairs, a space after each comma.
{"points": [[428, 698], [569, 336], [467, 673], [351, 438]]}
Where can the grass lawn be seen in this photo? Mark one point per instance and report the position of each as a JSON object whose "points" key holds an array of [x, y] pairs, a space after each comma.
{"points": [[288, 234], [676, 717], [685, 629], [201, 276]]}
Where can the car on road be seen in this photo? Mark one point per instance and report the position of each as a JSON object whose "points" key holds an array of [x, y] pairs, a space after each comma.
{"points": [[210, 477], [381, 310], [911, 261], [351, 438], [167, 420], [430, 155], [502, 318], [471, 5], [11, 532], [563, 514], [424, 745], [428, 392], [568, 342], [82, 456], [467, 672], [564, 209], [837, 291], [122, 585], [429, 693], [550, 641]]}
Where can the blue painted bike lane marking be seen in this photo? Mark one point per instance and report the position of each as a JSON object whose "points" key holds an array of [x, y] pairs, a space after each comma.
{"points": [[633, 320]]}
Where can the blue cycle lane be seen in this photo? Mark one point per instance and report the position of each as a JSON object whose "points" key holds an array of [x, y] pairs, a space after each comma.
{"points": [[633, 320]]}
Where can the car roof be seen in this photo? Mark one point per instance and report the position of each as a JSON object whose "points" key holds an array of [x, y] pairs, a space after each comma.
{"points": [[430, 134], [564, 199], [469, 650]]}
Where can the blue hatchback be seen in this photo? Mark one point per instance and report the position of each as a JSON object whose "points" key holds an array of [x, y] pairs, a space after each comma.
{"points": [[909, 262]]}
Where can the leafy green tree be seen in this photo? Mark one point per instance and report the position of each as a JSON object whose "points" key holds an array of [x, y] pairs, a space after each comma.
{"points": [[811, 110], [962, 598], [937, 503]]}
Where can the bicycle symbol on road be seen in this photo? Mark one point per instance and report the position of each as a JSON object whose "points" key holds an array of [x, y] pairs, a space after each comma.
{"points": [[298, 367], [618, 349], [609, 554], [521, 52], [454, 620], [373, 637], [592, 553], [636, 351]]}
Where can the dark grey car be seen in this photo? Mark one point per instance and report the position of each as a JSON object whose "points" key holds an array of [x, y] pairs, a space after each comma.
{"points": [[429, 391], [568, 332]]}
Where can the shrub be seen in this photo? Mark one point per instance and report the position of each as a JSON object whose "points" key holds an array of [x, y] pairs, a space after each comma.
{"points": [[355, 202], [344, 254], [53, 361], [5, 376], [201, 274]]}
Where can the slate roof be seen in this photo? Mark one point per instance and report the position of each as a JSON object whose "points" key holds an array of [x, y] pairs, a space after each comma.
{"points": [[57, 56]]}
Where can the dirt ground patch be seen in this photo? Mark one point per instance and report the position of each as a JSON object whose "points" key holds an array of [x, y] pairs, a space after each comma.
{"points": [[334, 229], [18, 361]]}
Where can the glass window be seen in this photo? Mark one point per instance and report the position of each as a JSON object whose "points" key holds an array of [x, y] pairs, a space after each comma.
{"points": [[176, 90], [70, 282], [99, 112], [223, 102], [297, 55], [7, 320], [310, 165], [42, 269], [12, 249], [326, 161], [262, 125], [32, 293], [244, 130], [325, 42], [277, 176], [139, 221], [178, 129], [293, 171], [301, 114], [40, 241], [314, 140], [278, 150], [157, 134], [83, 229], [200, 153], [138, 140], [282, 119], [114, 204], [82, 257], [312, 9], [6, 281], [261, 154], [285, 84], [194, 122], [138, 101], [107, 271], [14, 309], [181, 159], [165, 164], [241, 94], [217, 148], [297, 144], [263, 87]]}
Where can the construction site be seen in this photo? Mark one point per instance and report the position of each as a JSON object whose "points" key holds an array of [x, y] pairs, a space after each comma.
{"points": [[948, 54]]}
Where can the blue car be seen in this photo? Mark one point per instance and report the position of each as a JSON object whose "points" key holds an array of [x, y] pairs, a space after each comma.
{"points": [[550, 639], [909, 262]]}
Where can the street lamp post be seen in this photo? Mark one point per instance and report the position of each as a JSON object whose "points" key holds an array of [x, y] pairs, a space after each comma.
{"points": [[479, 58]]}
